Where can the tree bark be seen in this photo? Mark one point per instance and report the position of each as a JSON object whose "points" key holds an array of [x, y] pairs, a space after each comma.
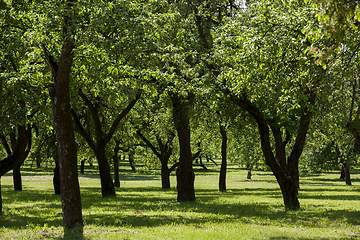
{"points": [[222, 179], [107, 184], [184, 173], [0, 197], [165, 176], [17, 178], [56, 177], [66, 145], [82, 166], [116, 164]]}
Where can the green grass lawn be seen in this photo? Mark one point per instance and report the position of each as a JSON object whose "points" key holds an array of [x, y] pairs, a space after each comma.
{"points": [[250, 209]]}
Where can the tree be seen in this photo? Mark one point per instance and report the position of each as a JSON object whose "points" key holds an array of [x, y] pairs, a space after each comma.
{"points": [[154, 127], [66, 145], [276, 82], [18, 95], [102, 139]]}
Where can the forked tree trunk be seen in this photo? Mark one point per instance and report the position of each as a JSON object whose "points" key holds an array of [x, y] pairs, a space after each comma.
{"points": [[184, 174], [102, 139], [222, 180], [285, 168], [163, 151]]}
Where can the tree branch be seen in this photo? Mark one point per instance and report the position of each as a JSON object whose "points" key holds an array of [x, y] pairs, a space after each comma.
{"points": [[121, 116], [82, 130]]}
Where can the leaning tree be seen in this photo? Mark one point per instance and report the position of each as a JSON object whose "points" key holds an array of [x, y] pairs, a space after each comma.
{"points": [[270, 69]]}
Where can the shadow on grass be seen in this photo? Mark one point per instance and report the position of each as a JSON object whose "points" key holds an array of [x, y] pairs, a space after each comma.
{"points": [[151, 206]]}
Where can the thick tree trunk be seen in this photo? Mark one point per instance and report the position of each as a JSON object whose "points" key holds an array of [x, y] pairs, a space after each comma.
{"points": [[17, 178], [66, 145], [185, 173], [222, 180], [107, 185], [67, 153], [289, 191], [165, 176]]}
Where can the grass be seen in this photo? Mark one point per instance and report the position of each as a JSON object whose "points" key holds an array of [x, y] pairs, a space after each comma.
{"points": [[250, 209]]}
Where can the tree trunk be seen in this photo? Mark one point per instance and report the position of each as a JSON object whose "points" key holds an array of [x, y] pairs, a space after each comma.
{"points": [[289, 191], [38, 163], [165, 176], [184, 174], [342, 173], [347, 173], [82, 166], [222, 180], [0, 197], [345, 166], [116, 165], [116, 172], [131, 160], [56, 178], [20, 149], [17, 178], [107, 185], [284, 168], [66, 145]]}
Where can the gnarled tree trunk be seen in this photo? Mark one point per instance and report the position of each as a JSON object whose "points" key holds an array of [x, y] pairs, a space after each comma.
{"points": [[66, 145], [185, 173], [285, 168]]}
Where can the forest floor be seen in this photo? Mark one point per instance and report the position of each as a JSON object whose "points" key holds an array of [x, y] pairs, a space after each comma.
{"points": [[250, 209]]}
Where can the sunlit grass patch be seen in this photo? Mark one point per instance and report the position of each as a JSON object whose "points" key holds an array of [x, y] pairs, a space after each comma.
{"points": [[250, 209]]}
